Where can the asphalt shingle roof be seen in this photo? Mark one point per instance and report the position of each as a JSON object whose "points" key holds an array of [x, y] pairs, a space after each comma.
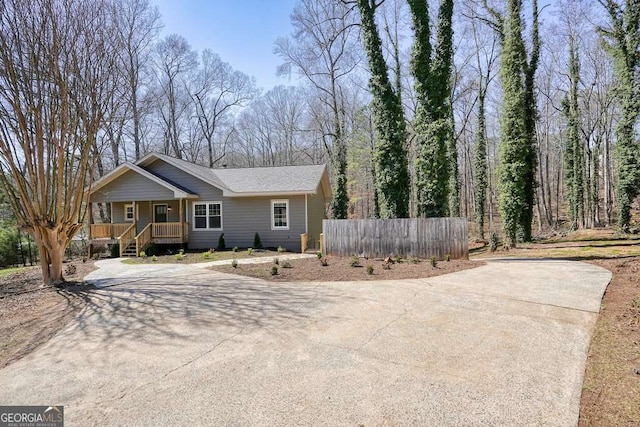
{"points": [[282, 179]]}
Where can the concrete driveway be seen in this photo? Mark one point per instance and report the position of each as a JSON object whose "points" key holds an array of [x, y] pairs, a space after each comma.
{"points": [[502, 344]]}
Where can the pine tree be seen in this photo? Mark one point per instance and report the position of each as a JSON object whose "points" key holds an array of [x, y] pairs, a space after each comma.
{"points": [[433, 124], [392, 174], [623, 42]]}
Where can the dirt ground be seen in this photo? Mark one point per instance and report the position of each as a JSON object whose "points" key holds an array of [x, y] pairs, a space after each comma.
{"points": [[611, 390], [30, 313], [339, 269]]}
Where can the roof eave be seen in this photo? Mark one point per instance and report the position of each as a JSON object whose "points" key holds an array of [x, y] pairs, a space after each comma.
{"points": [[229, 193]]}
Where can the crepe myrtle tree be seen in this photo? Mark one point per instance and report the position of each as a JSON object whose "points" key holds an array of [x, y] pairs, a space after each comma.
{"points": [[57, 61]]}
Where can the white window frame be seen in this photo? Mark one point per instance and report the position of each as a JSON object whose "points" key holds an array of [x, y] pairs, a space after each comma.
{"points": [[273, 216], [193, 215], [133, 212]]}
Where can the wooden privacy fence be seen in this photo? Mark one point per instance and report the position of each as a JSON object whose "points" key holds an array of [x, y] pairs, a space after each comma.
{"points": [[407, 237]]}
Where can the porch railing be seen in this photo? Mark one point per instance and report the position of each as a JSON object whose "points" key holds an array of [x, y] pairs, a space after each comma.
{"points": [[126, 238], [167, 229], [108, 230]]}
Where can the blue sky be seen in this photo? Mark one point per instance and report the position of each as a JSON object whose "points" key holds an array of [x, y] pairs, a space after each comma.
{"points": [[242, 32]]}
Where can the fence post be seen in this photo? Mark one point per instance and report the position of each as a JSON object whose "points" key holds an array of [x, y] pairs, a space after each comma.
{"points": [[303, 242], [322, 243]]}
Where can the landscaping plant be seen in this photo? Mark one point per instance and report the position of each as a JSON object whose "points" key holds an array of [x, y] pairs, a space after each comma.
{"points": [[257, 243], [221, 244], [370, 269]]}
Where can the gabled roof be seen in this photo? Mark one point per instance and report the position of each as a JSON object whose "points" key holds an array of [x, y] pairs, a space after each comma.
{"points": [[274, 180], [245, 182], [125, 167], [201, 172]]}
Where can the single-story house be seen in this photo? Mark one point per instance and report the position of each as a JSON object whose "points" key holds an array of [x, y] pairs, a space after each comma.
{"points": [[163, 200]]}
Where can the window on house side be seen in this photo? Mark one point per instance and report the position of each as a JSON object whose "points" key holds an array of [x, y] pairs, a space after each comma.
{"points": [[207, 216], [280, 214]]}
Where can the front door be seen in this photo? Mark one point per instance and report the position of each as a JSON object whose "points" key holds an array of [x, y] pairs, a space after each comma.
{"points": [[159, 213]]}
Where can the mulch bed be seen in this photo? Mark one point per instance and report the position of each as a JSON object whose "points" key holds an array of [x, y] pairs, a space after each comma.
{"points": [[339, 269], [611, 390]]}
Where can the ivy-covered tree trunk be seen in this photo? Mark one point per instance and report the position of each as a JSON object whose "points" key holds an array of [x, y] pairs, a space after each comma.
{"points": [[574, 151], [531, 115], [623, 42], [513, 169], [392, 172], [480, 162], [433, 122]]}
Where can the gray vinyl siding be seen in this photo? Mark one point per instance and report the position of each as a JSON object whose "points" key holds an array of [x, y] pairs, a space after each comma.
{"points": [[131, 186], [242, 217], [316, 211]]}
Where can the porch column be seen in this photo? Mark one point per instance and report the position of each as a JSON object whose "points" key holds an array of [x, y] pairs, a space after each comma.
{"points": [[182, 221], [90, 217]]}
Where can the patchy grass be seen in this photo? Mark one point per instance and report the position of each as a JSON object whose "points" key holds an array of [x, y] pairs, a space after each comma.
{"points": [[7, 271]]}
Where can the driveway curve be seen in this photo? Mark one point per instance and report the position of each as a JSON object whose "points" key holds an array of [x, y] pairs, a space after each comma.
{"points": [[502, 344]]}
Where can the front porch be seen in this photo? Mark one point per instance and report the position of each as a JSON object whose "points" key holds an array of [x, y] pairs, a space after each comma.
{"points": [[135, 225]]}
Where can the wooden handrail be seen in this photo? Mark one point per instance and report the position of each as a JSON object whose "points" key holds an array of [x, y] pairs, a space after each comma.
{"points": [[126, 238], [143, 239]]}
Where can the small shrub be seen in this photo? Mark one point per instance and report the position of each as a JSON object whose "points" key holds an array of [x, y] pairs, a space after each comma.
{"points": [[257, 243], [635, 303], [96, 256], [84, 259], [433, 261], [319, 255], [234, 263], [179, 256], [397, 259], [370, 269], [281, 249], [447, 257], [154, 258], [142, 254], [206, 255], [276, 261], [115, 250], [249, 251], [286, 264], [221, 245], [324, 262], [493, 242], [274, 270], [152, 250], [354, 261], [415, 260], [386, 266], [235, 249]]}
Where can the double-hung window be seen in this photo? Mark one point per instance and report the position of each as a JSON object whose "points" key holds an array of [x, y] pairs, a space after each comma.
{"points": [[280, 214], [207, 215], [129, 213]]}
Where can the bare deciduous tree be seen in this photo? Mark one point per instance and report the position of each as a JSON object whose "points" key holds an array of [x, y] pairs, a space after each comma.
{"points": [[56, 64]]}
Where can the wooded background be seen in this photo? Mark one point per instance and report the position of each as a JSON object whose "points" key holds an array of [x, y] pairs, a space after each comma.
{"points": [[517, 115], [194, 106]]}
